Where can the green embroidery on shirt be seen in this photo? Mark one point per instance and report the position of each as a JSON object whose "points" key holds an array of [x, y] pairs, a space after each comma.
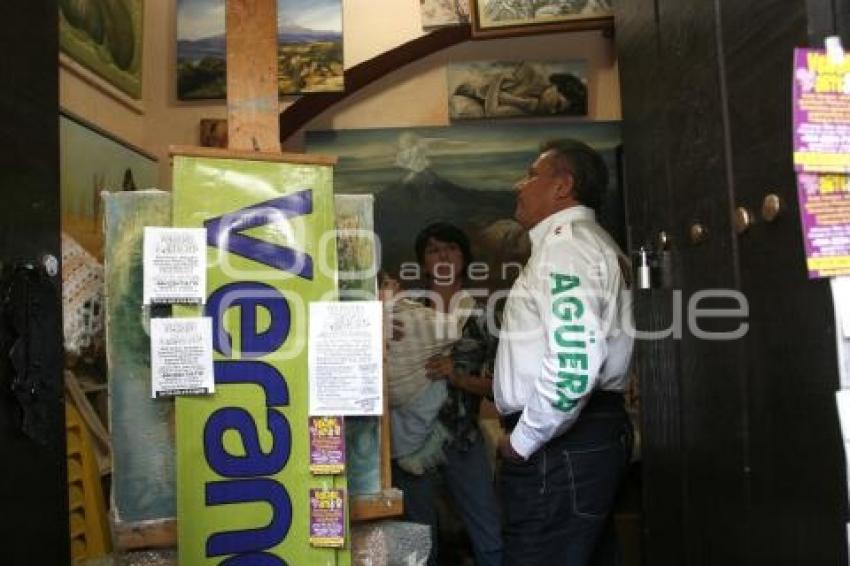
{"points": [[564, 403], [573, 360], [563, 338], [561, 283], [568, 309], [575, 382], [571, 337]]}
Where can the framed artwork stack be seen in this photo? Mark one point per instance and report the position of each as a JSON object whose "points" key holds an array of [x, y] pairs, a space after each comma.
{"points": [[493, 18]]}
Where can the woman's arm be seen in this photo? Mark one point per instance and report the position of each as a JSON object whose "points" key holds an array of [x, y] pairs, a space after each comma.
{"points": [[476, 384], [442, 367]]}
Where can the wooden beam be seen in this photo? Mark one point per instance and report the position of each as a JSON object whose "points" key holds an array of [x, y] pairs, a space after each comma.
{"points": [[102, 447], [383, 505], [147, 534], [252, 90], [386, 440], [308, 107], [216, 153]]}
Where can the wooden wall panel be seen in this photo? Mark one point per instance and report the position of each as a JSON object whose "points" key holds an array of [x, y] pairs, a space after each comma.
{"points": [[647, 195], [33, 489], [795, 465]]}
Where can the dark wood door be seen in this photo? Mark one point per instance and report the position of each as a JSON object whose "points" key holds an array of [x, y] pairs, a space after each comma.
{"points": [[743, 459], [33, 489]]}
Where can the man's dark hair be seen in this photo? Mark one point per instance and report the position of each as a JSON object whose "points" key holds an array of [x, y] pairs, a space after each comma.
{"points": [[444, 232], [590, 174]]}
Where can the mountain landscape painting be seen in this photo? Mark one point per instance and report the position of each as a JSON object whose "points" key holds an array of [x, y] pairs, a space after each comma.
{"points": [[462, 174], [309, 48]]}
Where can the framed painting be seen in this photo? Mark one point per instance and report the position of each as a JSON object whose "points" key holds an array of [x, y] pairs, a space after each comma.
{"points": [[462, 174], [489, 89], [309, 48], [522, 17], [213, 132], [443, 13], [93, 161], [106, 37]]}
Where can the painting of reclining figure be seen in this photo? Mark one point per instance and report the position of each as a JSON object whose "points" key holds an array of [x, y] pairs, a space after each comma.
{"points": [[508, 89]]}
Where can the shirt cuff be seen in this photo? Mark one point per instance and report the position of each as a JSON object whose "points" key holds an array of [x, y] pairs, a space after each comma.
{"points": [[524, 440]]}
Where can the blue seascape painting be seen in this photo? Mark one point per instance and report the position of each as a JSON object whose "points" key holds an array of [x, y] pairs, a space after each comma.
{"points": [[462, 174]]}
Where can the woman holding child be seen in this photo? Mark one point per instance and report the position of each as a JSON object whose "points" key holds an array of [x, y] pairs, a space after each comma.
{"points": [[438, 371]]}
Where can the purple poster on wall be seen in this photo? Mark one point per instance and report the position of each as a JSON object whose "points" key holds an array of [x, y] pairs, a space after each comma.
{"points": [[327, 517], [821, 112], [327, 445], [825, 213]]}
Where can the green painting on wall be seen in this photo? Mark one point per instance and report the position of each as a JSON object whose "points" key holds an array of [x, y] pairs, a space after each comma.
{"points": [[105, 36]]}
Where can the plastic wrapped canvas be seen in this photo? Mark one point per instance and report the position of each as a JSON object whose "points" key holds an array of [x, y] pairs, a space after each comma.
{"points": [[357, 256], [142, 428]]}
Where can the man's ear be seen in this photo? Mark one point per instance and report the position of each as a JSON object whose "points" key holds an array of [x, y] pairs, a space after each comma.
{"points": [[564, 186]]}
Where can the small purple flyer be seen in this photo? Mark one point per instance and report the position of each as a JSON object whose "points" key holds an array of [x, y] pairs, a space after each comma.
{"points": [[327, 445], [821, 112], [825, 216], [327, 518]]}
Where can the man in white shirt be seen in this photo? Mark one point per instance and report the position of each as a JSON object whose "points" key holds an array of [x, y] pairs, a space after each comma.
{"points": [[561, 368]]}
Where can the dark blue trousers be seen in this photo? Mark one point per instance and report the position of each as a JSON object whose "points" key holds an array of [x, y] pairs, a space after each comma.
{"points": [[468, 477], [557, 506]]}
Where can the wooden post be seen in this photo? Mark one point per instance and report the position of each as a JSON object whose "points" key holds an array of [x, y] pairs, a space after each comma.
{"points": [[253, 110]]}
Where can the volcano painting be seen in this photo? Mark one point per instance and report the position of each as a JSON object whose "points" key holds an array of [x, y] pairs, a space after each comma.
{"points": [[460, 174], [309, 48]]}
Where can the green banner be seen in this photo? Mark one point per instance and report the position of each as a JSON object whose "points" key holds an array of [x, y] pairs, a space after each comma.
{"points": [[243, 479]]}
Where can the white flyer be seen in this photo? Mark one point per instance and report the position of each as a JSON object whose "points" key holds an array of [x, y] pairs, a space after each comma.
{"points": [[175, 266], [345, 358], [181, 357]]}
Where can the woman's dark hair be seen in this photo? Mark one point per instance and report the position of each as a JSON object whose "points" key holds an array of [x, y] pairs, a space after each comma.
{"points": [[590, 174], [444, 232], [573, 90]]}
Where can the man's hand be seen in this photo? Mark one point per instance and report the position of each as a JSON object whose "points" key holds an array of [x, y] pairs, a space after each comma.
{"points": [[507, 452]]}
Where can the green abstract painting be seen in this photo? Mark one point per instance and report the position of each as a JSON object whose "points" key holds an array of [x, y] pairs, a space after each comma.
{"points": [[106, 36]]}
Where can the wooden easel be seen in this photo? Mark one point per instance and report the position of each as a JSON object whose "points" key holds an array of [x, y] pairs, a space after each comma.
{"points": [[253, 111]]}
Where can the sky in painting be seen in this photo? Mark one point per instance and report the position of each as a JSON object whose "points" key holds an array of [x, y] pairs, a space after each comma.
{"points": [[321, 15], [471, 139], [205, 18], [478, 156]]}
